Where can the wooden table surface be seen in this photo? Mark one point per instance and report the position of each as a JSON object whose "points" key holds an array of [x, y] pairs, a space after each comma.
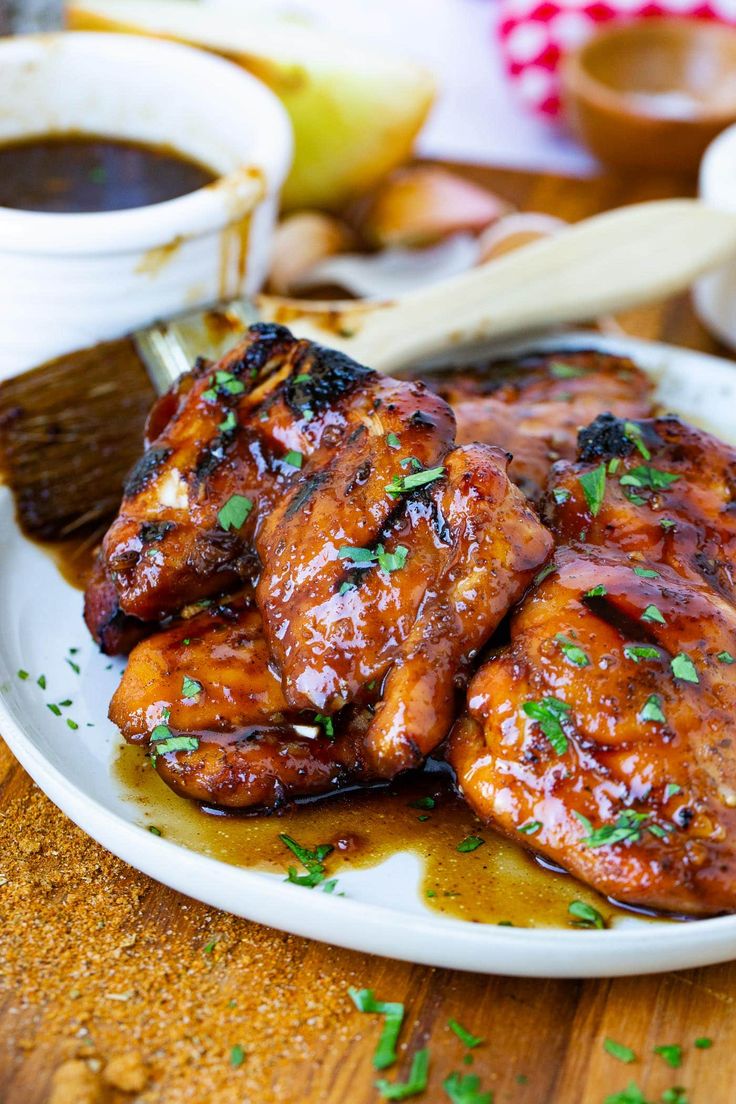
{"points": [[98, 961]]}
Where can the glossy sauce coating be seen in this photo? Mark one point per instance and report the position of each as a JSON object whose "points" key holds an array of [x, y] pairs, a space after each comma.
{"points": [[627, 777]]}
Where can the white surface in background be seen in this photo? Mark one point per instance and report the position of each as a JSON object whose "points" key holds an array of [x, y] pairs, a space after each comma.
{"points": [[477, 117]]}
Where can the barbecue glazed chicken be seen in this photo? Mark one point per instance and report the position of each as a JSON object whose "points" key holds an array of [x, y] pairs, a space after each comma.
{"points": [[601, 735], [387, 558], [534, 406]]}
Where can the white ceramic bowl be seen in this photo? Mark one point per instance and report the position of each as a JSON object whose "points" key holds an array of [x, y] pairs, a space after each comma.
{"points": [[715, 293], [70, 280]]}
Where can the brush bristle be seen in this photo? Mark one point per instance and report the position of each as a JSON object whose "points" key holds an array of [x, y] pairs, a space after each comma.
{"points": [[70, 430]]}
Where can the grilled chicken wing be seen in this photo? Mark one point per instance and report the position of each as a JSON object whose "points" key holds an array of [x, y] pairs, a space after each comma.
{"points": [[534, 406], [393, 570], [601, 735], [202, 698]]}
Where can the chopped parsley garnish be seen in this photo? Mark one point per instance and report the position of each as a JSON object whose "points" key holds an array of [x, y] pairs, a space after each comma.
{"points": [[154, 830], [651, 613], [596, 592], [594, 488], [393, 441], [465, 1036], [345, 587], [640, 651], [423, 803], [327, 724], [530, 827], [683, 668], [560, 495], [652, 710], [302, 378], [549, 714], [619, 1051], [387, 561], [54, 709], [572, 651], [464, 1088], [392, 561], [542, 575], [235, 512], [416, 1083], [74, 666], [671, 789], [470, 843], [312, 861], [72, 724], [585, 915], [614, 465], [293, 458], [229, 424], [190, 687], [237, 1056], [564, 371], [627, 826], [400, 484], [667, 523], [633, 432], [646, 573], [23, 675], [393, 1013], [704, 1043], [646, 478], [41, 681], [164, 741], [725, 657], [672, 1055], [675, 1095]]}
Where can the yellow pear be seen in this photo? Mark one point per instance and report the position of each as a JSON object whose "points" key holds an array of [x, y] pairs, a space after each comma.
{"points": [[355, 112]]}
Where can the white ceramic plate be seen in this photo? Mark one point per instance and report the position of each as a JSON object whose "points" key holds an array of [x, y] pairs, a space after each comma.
{"points": [[40, 620]]}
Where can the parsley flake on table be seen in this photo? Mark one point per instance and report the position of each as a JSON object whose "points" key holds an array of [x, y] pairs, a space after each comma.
{"points": [[619, 1051], [627, 826], [594, 488], [585, 915], [572, 651], [393, 1013], [470, 843], [683, 668], [703, 1043], [400, 484], [464, 1088], [466, 1037], [676, 1095], [549, 714], [648, 479], [237, 1056], [293, 458], [415, 1084], [672, 1054], [651, 613], [630, 1095], [190, 687], [312, 861], [235, 512], [652, 710]]}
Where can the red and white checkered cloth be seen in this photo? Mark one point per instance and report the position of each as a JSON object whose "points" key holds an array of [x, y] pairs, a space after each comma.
{"points": [[536, 34]]}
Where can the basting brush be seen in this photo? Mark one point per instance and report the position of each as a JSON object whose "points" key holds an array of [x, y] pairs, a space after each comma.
{"points": [[70, 429]]}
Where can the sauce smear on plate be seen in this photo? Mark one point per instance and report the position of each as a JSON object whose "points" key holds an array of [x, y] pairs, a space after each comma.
{"points": [[80, 174]]}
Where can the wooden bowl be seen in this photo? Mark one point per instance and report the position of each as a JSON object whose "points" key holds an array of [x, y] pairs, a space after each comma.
{"points": [[652, 94]]}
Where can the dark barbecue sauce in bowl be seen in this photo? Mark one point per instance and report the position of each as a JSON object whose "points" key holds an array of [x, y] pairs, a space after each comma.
{"points": [[82, 174]]}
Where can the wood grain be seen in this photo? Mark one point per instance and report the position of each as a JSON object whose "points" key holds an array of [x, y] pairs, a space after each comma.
{"points": [[303, 1040]]}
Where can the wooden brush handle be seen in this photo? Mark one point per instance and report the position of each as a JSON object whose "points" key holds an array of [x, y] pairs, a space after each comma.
{"points": [[599, 266]]}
